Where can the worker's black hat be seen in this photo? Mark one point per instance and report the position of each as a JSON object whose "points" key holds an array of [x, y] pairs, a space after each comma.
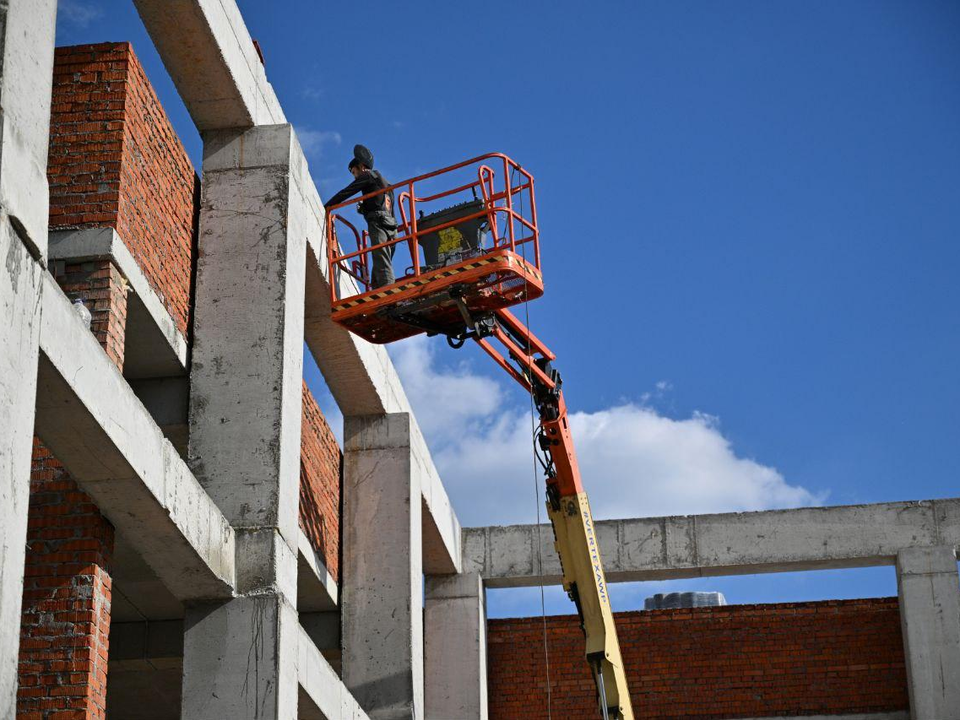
{"points": [[361, 156]]}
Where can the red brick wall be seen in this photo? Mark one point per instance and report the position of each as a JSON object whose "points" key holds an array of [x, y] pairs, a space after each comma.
{"points": [[104, 293], [86, 135], [65, 625], [320, 462], [115, 161], [728, 662]]}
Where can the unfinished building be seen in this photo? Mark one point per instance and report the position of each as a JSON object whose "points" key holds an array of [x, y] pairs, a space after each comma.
{"points": [[183, 537]]}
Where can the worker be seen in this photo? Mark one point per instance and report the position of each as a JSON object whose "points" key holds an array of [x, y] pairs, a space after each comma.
{"points": [[378, 211]]}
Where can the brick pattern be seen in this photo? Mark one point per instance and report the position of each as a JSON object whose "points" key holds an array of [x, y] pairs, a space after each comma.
{"points": [[65, 625], [159, 196], [320, 477], [735, 661], [86, 135], [115, 161], [104, 293]]}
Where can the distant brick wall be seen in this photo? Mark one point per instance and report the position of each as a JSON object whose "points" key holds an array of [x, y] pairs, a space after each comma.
{"points": [[115, 161], [708, 663], [320, 462]]}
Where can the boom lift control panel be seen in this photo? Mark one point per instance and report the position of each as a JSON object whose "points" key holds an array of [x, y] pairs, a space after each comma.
{"points": [[469, 261]]}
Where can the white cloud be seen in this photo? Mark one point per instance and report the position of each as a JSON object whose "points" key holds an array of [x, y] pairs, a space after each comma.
{"points": [[78, 13], [449, 403], [634, 461], [313, 142]]}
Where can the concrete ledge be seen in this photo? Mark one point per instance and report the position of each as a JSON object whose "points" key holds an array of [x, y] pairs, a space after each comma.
{"points": [[316, 588], [723, 544], [207, 49], [322, 690], [94, 424], [158, 348]]}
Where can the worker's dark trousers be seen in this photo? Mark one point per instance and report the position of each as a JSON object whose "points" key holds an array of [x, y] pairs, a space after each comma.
{"points": [[382, 257]]}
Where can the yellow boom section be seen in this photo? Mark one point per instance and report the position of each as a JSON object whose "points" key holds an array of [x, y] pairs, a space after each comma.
{"points": [[583, 578]]}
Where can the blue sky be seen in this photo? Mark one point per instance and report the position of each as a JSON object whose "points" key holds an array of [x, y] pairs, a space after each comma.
{"points": [[750, 219]]}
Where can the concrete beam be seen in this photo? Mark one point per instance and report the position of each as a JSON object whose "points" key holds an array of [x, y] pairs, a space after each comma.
{"points": [[455, 647], [155, 347], [382, 567], [207, 49], [929, 589], [93, 423], [321, 690], [667, 548]]}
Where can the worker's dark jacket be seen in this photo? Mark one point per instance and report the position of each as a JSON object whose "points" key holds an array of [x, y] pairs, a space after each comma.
{"points": [[368, 182]]}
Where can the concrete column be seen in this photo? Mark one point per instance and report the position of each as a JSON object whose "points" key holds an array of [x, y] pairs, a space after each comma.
{"points": [[929, 588], [455, 654], [19, 335], [240, 660], [26, 76], [244, 446], [382, 598]]}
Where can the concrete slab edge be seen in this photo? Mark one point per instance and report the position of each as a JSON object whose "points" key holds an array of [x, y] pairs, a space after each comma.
{"points": [[106, 243]]}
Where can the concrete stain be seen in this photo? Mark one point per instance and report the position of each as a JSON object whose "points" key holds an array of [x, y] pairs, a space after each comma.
{"points": [[14, 262]]}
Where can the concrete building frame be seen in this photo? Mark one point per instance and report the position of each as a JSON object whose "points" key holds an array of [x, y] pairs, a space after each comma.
{"points": [[184, 520], [218, 529]]}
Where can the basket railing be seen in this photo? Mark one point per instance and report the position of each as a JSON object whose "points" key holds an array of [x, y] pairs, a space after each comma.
{"points": [[508, 207]]}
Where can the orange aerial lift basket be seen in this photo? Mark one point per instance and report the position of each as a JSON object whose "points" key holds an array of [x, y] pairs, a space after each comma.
{"points": [[467, 245]]}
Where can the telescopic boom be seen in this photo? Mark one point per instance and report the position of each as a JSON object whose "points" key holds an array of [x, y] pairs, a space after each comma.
{"points": [[529, 362]]}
